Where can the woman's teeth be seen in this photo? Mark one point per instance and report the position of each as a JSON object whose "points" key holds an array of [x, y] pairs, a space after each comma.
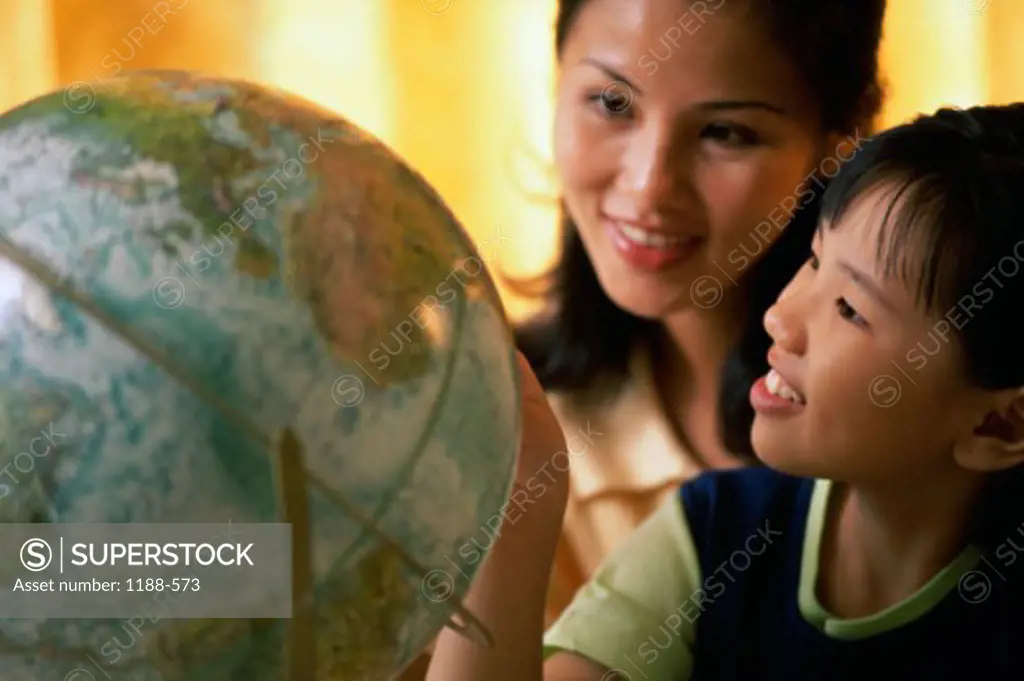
{"points": [[777, 386], [650, 239]]}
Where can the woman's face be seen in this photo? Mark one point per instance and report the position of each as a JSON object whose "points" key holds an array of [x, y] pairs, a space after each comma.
{"points": [[684, 139]]}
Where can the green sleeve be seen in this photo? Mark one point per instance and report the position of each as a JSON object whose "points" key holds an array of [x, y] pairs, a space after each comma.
{"points": [[635, 615]]}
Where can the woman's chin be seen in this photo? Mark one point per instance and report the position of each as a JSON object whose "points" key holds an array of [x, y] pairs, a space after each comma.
{"points": [[639, 301], [645, 298]]}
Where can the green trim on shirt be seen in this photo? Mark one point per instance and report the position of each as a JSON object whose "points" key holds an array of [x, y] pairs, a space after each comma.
{"points": [[896, 615], [637, 613]]}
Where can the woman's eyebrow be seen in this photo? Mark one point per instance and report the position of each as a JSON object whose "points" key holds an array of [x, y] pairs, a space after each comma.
{"points": [[734, 104], [613, 73], [711, 105]]}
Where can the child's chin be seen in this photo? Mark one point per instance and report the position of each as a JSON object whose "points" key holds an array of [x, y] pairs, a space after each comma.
{"points": [[782, 454]]}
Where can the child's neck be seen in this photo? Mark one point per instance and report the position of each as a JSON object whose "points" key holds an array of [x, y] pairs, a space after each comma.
{"points": [[881, 545]]}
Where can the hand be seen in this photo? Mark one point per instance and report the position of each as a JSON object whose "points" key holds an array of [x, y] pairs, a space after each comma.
{"points": [[542, 433]]}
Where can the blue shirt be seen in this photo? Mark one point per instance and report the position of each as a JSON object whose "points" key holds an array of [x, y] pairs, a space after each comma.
{"points": [[720, 584]]}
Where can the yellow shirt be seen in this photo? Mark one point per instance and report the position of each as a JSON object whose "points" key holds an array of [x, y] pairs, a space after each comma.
{"points": [[625, 462]]}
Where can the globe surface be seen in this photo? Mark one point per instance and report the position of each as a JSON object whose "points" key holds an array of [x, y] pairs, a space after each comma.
{"points": [[175, 246]]}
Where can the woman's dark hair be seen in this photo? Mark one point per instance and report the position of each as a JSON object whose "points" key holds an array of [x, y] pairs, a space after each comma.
{"points": [[953, 233], [583, 345]]}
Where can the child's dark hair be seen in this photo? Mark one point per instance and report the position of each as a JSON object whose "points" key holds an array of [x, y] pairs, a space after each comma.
{"points": [[954, 234], [583, 346]]}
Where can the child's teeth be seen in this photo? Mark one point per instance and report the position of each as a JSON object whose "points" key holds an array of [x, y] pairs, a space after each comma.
{"points": [[788, 393], [776, 386]]}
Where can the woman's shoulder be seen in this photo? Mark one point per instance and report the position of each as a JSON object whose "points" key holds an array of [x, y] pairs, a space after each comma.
{"points": [[624, 458]]}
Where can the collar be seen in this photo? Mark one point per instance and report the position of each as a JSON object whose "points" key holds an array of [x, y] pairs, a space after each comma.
{"points": [[631, 447]]}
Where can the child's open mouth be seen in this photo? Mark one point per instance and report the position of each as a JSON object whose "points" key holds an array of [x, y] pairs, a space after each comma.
{"points": [[772, 395], [776, 385]]}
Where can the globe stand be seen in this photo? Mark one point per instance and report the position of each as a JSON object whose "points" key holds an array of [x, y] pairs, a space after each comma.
{"points": [[291, 490], [292, 485]]}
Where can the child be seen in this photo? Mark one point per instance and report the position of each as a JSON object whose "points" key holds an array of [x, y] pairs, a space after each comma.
{"points": [[882, 539]]}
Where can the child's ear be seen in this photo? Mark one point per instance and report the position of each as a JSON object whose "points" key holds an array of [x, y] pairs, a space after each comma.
{"points": [[997, 442]]}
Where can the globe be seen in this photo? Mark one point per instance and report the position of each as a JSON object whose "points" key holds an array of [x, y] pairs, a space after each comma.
{"points": [[222, 304]]}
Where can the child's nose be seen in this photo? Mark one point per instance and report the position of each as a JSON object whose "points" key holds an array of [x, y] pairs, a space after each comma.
{"points": [[784, 329]]}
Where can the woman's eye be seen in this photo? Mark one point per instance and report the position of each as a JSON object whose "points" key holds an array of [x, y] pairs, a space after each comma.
{"points": [[613, 102], [730, 134], [847, 312]]}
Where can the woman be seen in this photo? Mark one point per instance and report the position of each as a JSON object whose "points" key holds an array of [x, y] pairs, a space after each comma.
{"points": [[692, 139]]}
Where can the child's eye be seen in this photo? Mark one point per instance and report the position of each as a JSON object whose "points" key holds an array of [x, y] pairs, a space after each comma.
{"points": [[612, 102], [730, 134], [847, 312], [813, 261]]}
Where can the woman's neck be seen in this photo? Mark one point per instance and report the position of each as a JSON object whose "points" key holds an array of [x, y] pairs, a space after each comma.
{"points": [[882, 544], [688, 360], [697, 342]]}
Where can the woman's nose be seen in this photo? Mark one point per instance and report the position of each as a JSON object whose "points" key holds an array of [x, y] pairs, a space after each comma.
{"points": [[652, 173]]}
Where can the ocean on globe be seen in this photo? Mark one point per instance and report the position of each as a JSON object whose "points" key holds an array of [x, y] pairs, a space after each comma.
{"points": [[194, 270]]}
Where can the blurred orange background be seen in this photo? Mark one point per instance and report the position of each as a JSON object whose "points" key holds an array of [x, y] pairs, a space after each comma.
{"points": [[462, 89]]}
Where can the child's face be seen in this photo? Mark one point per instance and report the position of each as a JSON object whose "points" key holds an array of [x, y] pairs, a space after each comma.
{"points": [[885, 395]]}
